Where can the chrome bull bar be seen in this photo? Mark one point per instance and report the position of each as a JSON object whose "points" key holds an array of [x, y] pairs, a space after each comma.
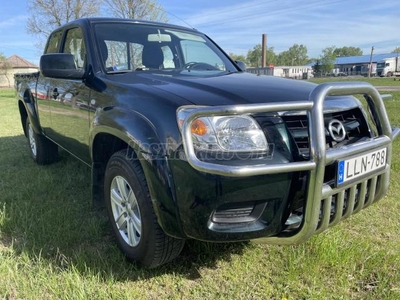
{"points": [[320, 197]]}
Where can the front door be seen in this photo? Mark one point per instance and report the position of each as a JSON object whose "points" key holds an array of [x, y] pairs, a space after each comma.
{"points": [[70, 103]]}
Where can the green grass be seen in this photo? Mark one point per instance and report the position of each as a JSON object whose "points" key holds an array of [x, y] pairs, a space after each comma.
{"points": [[376, 81], [53, 245]]}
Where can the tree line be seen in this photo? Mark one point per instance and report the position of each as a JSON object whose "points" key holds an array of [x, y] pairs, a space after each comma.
{"points": [[296, 55], [47, 15]]}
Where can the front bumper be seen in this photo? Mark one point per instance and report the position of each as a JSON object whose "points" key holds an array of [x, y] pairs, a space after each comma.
{"points": [[325, 205]]}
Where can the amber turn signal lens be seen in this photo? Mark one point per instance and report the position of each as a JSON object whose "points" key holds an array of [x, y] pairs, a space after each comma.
{"points": [[198, 127]]}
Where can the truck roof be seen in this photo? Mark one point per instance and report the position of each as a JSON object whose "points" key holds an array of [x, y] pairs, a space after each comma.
{"points": [[82, 21]]}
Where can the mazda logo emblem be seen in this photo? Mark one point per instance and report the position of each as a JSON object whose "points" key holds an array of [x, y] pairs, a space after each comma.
{"points": [[336, 130]]}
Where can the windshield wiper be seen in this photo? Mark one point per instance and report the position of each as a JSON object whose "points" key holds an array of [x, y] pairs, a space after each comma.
{"points": [[119, 71]]}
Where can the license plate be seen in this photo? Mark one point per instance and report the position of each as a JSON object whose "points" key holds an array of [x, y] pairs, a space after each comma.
{"points": [[361, 165]]}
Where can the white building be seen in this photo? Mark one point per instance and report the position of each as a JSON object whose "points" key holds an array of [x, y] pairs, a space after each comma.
{"points": [[294, 72], [16, 65]]}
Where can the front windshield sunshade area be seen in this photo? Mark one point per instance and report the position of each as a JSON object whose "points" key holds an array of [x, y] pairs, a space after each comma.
{"points": [[130, 47]]}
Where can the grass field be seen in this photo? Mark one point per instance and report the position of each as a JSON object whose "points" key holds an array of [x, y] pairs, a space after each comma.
{"points": [[377, 81], [53, 245]]}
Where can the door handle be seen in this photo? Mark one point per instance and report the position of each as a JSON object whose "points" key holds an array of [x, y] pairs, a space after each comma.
{"points": [[55, 93]]}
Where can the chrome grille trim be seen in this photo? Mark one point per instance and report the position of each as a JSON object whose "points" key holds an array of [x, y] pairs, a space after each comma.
{"points": [[338, 205]]}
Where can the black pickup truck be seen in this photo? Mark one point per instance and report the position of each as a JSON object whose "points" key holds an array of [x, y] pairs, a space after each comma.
{"points": [[184, 144]]}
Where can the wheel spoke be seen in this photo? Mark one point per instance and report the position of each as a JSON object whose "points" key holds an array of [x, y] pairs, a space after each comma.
{"points": [[132, 199], [129, 197], [137, 223], [121, 183], [121, 221], [133, 239], [117, 200]]}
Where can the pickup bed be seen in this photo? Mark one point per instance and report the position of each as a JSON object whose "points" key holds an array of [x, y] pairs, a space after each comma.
{"points": [[184, 144]]}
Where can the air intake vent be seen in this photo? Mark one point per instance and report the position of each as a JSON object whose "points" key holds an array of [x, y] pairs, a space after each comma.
{"points": [[238, 212]]}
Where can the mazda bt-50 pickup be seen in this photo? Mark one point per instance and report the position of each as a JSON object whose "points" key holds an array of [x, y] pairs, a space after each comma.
{"points": [[184, 144]]}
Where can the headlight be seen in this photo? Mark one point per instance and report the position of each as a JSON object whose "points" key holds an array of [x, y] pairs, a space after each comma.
{"points": [[225, 133]]}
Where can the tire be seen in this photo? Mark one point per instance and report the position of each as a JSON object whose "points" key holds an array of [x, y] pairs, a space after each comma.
{"points": [[389, 74], [42, 150], [131, 214]]}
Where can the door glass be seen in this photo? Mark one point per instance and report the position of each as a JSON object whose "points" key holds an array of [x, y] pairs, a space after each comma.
{"points": [[54, 42], [75, 45]]}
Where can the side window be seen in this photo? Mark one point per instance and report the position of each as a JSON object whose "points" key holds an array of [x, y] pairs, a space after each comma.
{"points": [[119, 55], [75, 45], [54, 42]]}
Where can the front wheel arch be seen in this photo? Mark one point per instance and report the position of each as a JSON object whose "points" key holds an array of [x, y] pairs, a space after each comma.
{"points": [[107, 141], [125, 186]]}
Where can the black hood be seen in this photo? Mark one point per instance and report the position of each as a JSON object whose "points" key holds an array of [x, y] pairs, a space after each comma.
{"points": [[235, 88], [231, 89]]}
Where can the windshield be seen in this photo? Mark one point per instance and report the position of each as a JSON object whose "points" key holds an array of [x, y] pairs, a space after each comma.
{"points": [[130, 47], [380, 65]]}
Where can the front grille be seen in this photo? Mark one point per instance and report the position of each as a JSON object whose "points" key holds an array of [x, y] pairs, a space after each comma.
{"points": [[353, 121]]}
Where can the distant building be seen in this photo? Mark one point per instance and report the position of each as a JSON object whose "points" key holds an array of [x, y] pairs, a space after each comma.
{"points": [[294, 72], [16, 65], [358, 65]]}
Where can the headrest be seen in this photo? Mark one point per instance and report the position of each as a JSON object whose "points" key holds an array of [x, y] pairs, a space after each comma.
{"points": [[152, 56]]}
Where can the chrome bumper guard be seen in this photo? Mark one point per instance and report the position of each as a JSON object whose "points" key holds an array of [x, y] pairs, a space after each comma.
{"points": [[325, 206]]}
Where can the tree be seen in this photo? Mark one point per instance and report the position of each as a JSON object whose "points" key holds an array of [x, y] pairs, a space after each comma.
{"points": [[5, 68], [137, 9], [317, 68], [347, 51], [238, 57], [327, 59], [396, 50], [296, 55], [47, 15], [254, 56], [271, 56]]}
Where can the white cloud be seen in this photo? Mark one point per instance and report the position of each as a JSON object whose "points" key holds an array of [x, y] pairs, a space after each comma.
{"points": [[316, 24], [11, 22]]}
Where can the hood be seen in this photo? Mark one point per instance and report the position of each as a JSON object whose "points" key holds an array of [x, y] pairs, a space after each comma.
{"points": [[234, 88]]}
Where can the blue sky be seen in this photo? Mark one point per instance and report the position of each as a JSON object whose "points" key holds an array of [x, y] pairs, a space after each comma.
{"points": [[237, 25]]}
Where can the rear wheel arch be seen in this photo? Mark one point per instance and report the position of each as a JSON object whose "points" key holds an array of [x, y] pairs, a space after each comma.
{"points": [[24, 115], [42, 150]]}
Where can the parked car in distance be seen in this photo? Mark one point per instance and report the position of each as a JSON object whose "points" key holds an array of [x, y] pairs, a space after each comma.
{"points": [[341, 74]]}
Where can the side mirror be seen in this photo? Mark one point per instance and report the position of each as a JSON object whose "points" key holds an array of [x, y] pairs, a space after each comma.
{"points": [[241, 65], [60, 65]]}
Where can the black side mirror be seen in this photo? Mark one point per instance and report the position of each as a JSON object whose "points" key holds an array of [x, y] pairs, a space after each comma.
{"points": [[241, 65], [60, 65]]}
